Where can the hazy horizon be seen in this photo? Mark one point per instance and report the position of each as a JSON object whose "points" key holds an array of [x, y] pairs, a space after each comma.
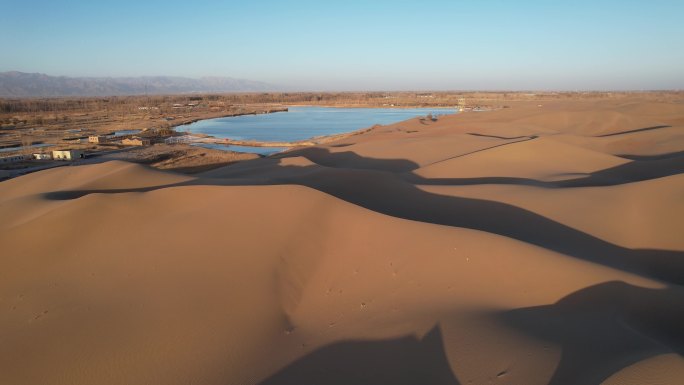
{"points": [[354, 46]]}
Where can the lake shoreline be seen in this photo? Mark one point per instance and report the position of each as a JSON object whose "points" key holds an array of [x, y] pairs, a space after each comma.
{"points": [[197, 138], [358, 106], [313, 141]]}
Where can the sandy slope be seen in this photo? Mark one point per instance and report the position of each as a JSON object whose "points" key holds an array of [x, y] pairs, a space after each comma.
{"points": [[541, 159], [519, 246]]}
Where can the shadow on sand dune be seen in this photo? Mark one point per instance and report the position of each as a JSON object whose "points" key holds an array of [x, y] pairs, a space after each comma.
{"points": [[401, 361], [391, 194], [64, 195], [601, 329], [349, 159], [386, 193], [640, 169], [678, 154], [503, 137], [632, 131], [605, 328]]}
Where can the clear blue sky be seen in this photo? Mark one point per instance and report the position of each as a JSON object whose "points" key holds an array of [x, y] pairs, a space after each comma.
{"points": [[356, 45]]}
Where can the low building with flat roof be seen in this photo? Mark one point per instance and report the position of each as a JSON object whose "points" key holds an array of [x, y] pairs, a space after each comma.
{"points": [[67, 154], [42, 156], [97, 139], [135, 141]]}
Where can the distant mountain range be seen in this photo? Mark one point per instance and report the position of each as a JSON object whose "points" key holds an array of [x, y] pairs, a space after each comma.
{"points": [[21, 84]]}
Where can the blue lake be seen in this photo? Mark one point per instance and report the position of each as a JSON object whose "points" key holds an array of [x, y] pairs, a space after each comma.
{"points": [[301, 123]]}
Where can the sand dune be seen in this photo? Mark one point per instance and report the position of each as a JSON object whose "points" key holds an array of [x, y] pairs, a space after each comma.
{"points": [[528, 245], [542, 159], [644, 221]]}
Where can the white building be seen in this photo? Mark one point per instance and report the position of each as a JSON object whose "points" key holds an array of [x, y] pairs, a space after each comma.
{"points": [[42, 156], [67, 154]]}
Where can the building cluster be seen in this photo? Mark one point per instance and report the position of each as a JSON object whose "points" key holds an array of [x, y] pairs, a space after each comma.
{"points": [[136, 141], [73, 154], [67, 154], [125, 140]]}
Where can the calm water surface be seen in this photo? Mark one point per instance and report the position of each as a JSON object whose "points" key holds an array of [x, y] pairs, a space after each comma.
{"points": [[301, 123]]}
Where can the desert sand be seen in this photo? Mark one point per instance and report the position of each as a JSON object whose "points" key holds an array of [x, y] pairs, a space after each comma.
{"points": [[527, 245]]}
